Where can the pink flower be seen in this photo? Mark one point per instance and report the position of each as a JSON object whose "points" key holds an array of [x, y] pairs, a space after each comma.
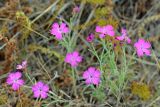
{"points": [[73, 58], [40, 90], [76, 9], [92, 76], [142, 47], [57, 30], [23, 65], [15, 80], [124, 36], [90, 38], [110, 30], [105, 30]]}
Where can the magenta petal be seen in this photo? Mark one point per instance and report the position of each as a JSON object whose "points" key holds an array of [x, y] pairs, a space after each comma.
{"points": [[98, 29], [128, 40], [140, 52], [141, 41], [64, 28], [58, 36], [136, 45], [34, 88], [96, 81], [111, 33], [37, 94], [102, 35], [55, 25], [120, 38], [75, 54], [86, 75], [110, 30], [9, 81], [147, 45], [79, 59], [19, 67], [15, 86], [18, 75], [44, 95], [88, 81], [46, 88], [20, 82], [73, 64], [147, 52], [97, 74]]}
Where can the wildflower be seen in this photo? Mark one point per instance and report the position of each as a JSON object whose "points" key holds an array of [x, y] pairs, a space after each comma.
{"points": [[92, 76], [76, 9], [124, 36], [105, 30], [90, 38], [110, 30], [23, 65], [57, 30], [40, 90], [15, 80], [142, 47], [73, 58]]}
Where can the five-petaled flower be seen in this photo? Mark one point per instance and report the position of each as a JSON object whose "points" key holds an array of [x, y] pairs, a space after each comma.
{"points": [[23, 65], [105, 30], [40, 90], [73, 58], [90, 37], [92, 76], [124, 36], [15, 80], [142, 47], [58, 30]]}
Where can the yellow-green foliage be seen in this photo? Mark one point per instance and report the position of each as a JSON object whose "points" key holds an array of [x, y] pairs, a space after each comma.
{"points": [[25, 24], [3, 98], [44, 50], [141, 89], [104, 11], [110, 21], [96, 1]]}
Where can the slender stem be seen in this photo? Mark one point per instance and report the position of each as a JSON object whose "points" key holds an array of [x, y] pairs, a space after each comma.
{"points": [[74, 82]]}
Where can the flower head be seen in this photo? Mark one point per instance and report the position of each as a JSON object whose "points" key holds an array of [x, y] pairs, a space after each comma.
{"points": [[124, 36], [76, 9], [73, 58], [23, 65], [92, 76], [40, 90], [142, 47], [90, 38], [57, 30], [15, 80], [105, 30]]}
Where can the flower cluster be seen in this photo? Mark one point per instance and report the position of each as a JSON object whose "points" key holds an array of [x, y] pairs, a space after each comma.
{"points": [[92, 75], [22, 66], [142, 46], [14, 79], [124, 36], [105, 30]]}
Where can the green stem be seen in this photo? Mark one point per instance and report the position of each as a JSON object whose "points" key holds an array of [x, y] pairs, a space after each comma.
{"points": [[74, 82]]}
